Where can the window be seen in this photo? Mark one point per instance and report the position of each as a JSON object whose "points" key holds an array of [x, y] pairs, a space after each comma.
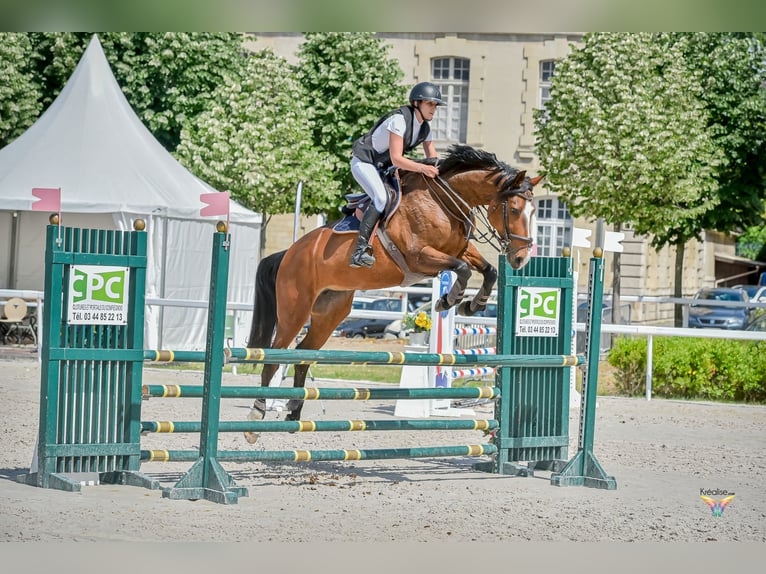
{"points": [[451, 75], [547, 67], [554, 227]]}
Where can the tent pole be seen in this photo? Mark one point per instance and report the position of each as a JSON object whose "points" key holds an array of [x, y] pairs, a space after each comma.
{"points": [[162, 279], [14, 254]]}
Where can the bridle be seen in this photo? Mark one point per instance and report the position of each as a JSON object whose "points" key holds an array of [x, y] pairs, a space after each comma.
{"points": [[467, 215], [508, 236]]}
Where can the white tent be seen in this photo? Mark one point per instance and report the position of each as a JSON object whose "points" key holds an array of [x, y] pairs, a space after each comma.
{"points": [[111, 170]]}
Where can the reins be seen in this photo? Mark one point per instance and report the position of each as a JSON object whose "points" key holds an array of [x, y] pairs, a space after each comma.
{"points": [[467, 216]]}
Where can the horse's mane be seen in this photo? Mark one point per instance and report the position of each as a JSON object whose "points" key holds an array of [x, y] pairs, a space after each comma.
{"points": [[462, 158]]}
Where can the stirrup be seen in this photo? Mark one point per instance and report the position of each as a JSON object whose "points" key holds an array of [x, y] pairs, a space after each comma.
{"points": [[362, 257]]}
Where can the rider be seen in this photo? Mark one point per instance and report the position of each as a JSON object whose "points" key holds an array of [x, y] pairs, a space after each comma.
{"points": [[383, 146]]}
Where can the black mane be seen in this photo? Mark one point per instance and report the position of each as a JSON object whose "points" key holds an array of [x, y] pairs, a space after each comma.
{"points": [[461, 158]]}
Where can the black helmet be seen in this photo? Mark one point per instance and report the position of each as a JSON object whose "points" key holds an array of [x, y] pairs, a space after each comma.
{"points": [[426, 91]]}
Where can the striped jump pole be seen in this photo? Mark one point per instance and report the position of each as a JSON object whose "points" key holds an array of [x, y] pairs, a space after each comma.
{"points": [[321, 426], [321, 455], [312, 394], [312, 357]]}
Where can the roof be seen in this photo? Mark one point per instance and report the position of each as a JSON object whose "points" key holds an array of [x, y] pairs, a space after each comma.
{"points": [[92, 145]]}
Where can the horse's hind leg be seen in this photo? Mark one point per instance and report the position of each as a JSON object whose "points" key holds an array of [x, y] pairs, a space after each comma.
{"points": [[287, 329], [329, 310]]}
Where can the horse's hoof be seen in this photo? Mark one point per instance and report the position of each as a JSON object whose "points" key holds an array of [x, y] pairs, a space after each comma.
{"points": [[464, 309], [251, 437], [256, 414]]}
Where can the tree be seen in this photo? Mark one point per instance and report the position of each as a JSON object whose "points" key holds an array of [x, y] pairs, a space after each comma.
{"points": [[733, 72], [168, 78], [350, 81], [255, 141], [19, 91], [624, 137]]}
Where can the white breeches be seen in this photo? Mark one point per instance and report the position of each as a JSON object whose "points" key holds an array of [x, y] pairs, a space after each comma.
{"points": [[368, 178]]}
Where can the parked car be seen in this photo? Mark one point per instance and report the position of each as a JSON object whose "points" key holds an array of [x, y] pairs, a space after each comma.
{"points": [[755, 292], [703, 316], [757, 324], [360, 328]]}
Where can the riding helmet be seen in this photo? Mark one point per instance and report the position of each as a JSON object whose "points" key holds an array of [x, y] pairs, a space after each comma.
{"points": [[426, 91]]}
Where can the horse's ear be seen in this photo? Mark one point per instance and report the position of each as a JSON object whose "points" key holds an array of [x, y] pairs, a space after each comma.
{"points": [[519, 178], [535, 180]]}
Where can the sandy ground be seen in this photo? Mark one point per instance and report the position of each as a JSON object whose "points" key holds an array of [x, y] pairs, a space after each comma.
{"points": [[661, 453]]}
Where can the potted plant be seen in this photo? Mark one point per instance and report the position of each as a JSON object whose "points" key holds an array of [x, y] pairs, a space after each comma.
{"points": [[419, 326]]}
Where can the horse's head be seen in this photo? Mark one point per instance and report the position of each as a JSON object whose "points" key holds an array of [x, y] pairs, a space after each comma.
{"points": [[472, 177], [510, 213]]}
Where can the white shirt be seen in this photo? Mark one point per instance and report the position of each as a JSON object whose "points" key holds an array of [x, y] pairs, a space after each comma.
{"points": [[396, 125]]}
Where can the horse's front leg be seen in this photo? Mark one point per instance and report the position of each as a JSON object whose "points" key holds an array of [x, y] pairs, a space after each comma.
{"points": [[431, 261], [488, 271]]}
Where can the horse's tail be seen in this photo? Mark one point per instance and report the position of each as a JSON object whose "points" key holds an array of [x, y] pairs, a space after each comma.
{"points": [[265, 307]]}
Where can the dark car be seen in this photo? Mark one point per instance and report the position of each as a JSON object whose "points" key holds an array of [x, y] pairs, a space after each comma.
{"points": [[361, 328], [702, 316]]}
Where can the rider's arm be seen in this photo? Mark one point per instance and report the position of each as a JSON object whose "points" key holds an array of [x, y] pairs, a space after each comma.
{"points": [[429, 148], [396, 150]]}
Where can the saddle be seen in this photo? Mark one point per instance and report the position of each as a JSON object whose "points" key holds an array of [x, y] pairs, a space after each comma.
{"points": [[357, 203]]}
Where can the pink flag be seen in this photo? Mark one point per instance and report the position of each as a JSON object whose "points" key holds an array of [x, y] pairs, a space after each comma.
{"points": [[217, 203], [50, 199]]}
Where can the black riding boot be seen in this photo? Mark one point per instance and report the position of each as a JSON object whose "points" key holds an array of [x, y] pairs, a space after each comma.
{"points": [[363, 256]]}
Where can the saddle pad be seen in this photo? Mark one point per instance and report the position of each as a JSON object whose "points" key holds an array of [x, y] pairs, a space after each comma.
{"points": [[350, 224]]}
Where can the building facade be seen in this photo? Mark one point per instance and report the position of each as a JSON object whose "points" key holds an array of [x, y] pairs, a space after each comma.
{"points": [[492, 84]]}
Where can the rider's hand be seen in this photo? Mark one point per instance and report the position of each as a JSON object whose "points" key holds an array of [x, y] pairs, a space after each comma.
{"points": [[429, 170]]}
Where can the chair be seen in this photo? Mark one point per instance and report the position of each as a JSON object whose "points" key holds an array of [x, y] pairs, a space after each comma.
{"points": [[14, 318]]}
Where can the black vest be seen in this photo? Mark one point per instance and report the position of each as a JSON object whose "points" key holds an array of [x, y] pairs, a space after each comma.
{"points": [[363, 146]]}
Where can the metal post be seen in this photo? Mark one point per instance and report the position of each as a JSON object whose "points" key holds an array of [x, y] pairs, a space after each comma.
{"points": [[583, 469], [649, 349], [206, 478]]}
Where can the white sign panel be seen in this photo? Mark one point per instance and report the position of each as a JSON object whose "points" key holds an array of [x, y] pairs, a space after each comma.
{"points": [[537, 312], [98, 295]]}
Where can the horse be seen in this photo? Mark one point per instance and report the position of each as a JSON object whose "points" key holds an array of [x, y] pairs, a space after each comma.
{"points": [[432, 230]]}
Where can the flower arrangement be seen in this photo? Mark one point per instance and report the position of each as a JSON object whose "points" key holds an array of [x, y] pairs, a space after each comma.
{"points": [[419, 323]]}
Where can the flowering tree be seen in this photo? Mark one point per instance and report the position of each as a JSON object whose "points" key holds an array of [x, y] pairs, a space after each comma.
{"points": [[255, 141], [350, 81], [624, 138]]}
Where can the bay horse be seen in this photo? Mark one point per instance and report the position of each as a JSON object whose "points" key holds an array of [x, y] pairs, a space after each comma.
{"points": [[432, 230]]}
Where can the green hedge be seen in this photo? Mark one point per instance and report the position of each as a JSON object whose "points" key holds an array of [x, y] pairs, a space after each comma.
{"points": [[710, 369]]}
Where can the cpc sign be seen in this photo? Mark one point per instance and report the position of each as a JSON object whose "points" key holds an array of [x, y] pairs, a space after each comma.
{"points": [[537, 312], [98, 295]]}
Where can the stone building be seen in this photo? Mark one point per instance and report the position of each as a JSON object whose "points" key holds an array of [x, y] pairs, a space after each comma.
{"points": [[492, 83]]}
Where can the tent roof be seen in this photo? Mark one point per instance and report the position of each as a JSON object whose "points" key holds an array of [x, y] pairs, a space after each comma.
{"points": [[92, 145]]}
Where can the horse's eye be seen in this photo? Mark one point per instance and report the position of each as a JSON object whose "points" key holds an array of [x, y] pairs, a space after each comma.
{"points": [[515, 211]]}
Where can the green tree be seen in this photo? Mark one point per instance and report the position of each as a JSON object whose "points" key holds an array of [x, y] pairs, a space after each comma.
{"points": [[20, 92], [733, 73], [168, 78], [255, 141], [624, 138], [350, 81]]}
